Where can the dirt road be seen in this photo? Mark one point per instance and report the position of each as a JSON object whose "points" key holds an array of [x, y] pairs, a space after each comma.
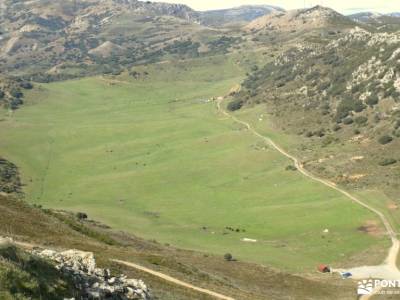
{"points": [[29, 246], [388, 270], [173, 280]]}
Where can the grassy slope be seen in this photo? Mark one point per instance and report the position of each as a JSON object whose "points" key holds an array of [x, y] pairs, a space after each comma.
{"points": [[294, 144], [152, 157], [238, 279]]}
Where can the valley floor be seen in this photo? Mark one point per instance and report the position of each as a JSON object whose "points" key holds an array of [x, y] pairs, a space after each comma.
{"points": [[153, 156]]}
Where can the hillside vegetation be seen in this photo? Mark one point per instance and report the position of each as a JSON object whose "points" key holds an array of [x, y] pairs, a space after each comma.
{"points": [[342, 98]]}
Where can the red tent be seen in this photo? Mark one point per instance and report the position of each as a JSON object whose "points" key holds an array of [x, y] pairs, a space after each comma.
{"points": [[324, 269]]}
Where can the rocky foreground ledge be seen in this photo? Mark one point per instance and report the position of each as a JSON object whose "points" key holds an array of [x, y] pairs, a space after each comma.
{"points": [[93, 282]]}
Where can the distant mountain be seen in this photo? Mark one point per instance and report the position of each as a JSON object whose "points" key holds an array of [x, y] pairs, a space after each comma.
{"points": [[366, 17], [236, 15], [298, 20], [373, 18], [55, 35]]}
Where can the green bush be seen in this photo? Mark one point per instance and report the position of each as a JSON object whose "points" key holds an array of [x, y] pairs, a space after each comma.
{"points": [[346, 106], [26, 85], [15, 103], [235, 105], [81, 216], [336, 127], [387, 162], [16, 93], [228, 257], [385, 139], [348, 121], [361, 120], [372, 100], [291, 168]]}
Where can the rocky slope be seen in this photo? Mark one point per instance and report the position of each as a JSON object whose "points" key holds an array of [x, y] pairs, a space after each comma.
{"points": [[341, 93], [71, 38], [54, 40], [93, 282], [48, 274], [381, 22], [299, 20]]}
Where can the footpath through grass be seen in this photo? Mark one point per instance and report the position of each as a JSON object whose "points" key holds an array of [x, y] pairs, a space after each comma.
{"points": [[152, 156]]}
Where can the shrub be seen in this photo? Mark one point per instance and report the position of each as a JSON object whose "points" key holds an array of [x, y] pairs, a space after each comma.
{"points": [[235, 105], [356, 89], [26, 85], [397, 124], [387, 162], [348, 121], [346, 106], [372, 100], [336, 127], [329, 140], [361, 120], [291, 168], [81, 216], [309, 134], [16, 93], [15, 103], [228, 257], [320, 133], [1, 94], [358, 106], [385, 139]]}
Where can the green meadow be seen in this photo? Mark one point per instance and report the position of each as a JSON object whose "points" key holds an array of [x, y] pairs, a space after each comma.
{"points": [[152, 156]]}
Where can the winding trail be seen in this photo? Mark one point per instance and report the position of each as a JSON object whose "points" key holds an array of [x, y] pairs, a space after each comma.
{"points": [[388, 270]]}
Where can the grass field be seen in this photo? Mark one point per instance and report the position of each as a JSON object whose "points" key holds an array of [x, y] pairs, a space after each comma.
{"points": [[155, 158]]}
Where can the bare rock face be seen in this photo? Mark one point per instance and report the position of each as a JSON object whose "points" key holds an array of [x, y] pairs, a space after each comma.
{"points": [[95, 283]]}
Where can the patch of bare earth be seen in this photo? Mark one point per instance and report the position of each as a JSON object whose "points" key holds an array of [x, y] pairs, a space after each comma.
{"points": [[371, 227], [392, 206]]}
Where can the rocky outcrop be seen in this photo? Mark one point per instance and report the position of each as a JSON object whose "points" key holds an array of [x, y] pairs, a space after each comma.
{"points": [[93, 282]]}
